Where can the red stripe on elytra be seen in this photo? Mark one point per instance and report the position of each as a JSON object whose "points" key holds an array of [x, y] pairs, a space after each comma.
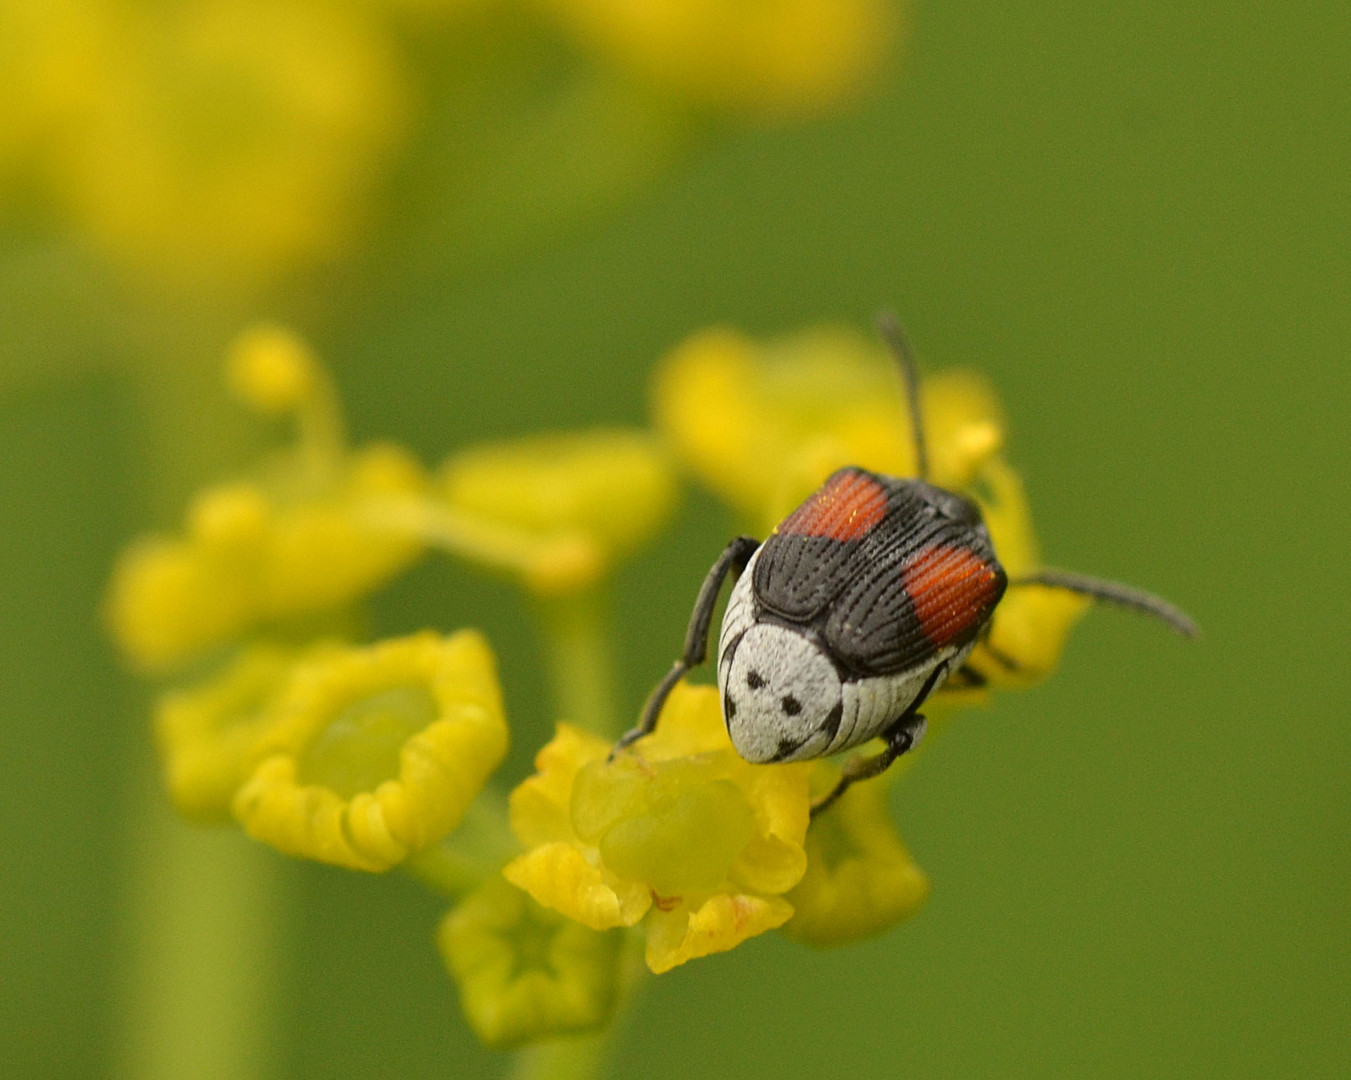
{"points": [[952, 590], [844, 508]]}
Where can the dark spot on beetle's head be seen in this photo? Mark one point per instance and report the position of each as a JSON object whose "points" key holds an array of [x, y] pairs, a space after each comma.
{"points": [[729, 707], [754, 680], [791, 705]]}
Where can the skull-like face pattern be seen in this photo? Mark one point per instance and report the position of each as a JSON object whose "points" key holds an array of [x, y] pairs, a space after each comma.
{"points": [[781, 697]]}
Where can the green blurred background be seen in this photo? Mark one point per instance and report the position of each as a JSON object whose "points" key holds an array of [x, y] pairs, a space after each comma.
{"points": [[1136, 220]]}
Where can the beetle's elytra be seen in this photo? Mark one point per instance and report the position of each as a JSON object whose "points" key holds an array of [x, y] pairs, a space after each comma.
{"points": [[864, 599]]}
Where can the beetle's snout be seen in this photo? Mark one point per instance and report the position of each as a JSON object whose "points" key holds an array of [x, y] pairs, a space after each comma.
{"points": [[781, 696]]}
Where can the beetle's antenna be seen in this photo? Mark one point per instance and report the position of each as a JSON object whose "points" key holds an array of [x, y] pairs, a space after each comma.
{"points": [[899, 344], [1113, 593]]}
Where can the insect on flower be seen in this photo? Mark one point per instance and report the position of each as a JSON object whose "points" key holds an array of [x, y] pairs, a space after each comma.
{"points": [[863, 601]]}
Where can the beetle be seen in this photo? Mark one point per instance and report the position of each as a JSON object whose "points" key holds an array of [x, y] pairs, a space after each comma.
{"points": [[860, 604]]}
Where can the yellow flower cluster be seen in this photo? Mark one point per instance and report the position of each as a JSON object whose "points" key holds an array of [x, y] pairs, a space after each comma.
{"points": [[286, 547], [683, 835], [234, 140], [369, 756], [218, 137]]}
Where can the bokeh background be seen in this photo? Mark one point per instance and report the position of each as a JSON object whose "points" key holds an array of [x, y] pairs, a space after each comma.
{"points": [[1135, 219]]}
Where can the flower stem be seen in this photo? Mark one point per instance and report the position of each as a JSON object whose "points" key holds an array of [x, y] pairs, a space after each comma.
{"points": [[475, 850], [198, 983], [579, 659], [561, 1059], [199, 994]]}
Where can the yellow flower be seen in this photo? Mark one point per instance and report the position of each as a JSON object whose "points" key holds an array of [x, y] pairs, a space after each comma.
{"points": [[376, 752], [227, 139], [607, 491], [860, 878], [250, 558], [209, 736], [681, 833], [524, 972], [777, 57], [764, 425], [295, 543], [272, 369]]}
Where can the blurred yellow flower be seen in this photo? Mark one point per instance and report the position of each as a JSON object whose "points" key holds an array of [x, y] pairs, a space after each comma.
{"points": [[860, 878], [376, 752], [272, 369], [250, 558], [603, 492], [216, 139], [680, 832], [296, 543], [764, 425], [775, 57], [209, 735], [524, 972]]}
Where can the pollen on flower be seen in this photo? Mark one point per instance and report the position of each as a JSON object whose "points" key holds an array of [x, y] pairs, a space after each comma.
{"points": [[376, 752], [525, 972], [680, 834]]}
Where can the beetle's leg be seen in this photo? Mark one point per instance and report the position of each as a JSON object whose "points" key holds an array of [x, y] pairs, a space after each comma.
{"points": [[903, 735], [734, 558]]}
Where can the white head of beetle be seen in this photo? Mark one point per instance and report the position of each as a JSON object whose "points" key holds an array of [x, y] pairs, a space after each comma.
{"points": [[781, 696]]}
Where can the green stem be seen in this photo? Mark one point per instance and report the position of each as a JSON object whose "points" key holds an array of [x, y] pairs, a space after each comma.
{"points": [[198, 984], [579, 660], [477, 849], [199, 993], [578, 1058]]}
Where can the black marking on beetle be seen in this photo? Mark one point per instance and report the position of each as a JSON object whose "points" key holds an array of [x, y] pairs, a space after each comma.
{"points": [[729, 709], [832, 724], [754, 680], [791, 705], [786, 748]]}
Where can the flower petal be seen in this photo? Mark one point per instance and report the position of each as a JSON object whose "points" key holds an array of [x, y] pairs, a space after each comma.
{"points": [[720, 923], [558, 876]]}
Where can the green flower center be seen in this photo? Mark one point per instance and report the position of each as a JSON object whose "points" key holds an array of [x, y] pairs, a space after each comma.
{"points": [[359, 748], [532, 943], [687, 845]]}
